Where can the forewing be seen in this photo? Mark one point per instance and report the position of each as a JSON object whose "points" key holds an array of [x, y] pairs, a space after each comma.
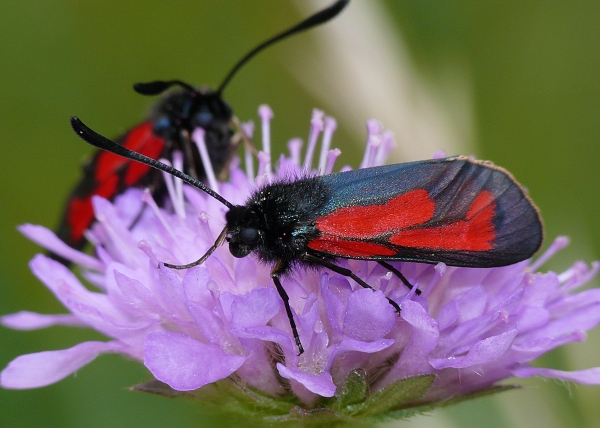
{"points": [[456, 210], [107, 175]]}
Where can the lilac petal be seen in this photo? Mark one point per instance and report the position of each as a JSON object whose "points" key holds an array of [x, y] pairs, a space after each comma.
{"points": [[255, 308], [471, 304], [47, 239], [45, 368], [267, 334], [369, 315], [482, 352], [245, 275], [587, 377], [25, 320], [135, 296], [171, 292], [356, 345], [523, 352], [119, 241], [186, 364], [92, 308], [194, 285], [207, 321], [423, 339], [257, 371], [319, 384], [336, 291]]}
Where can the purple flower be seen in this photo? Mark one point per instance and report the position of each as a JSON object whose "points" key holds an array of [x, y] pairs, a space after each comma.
{"points": [[222, 326]]}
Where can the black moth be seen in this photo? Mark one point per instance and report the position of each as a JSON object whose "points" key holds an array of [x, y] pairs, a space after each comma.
{"points": [[455, 210], [167, 129]]}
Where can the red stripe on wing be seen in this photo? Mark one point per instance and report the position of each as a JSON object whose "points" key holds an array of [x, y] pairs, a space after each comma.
{"points": [[346, 248], [80, 212], [363, 222], [153, 148], [139, 139], [475, 233]]}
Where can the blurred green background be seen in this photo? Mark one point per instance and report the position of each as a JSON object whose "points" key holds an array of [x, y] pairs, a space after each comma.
{"points": [[529, 100]]}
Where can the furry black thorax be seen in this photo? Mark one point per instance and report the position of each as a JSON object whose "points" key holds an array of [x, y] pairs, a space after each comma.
{"points": [[277, 222]]}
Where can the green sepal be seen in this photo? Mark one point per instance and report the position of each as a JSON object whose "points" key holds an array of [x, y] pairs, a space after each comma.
{"points": [[351, 407]]}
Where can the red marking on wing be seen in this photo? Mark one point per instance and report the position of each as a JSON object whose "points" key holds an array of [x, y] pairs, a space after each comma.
{"points": [[140, 139], [81, 212], [475, 233], [152, 148], [362, 222], [347, 248]]}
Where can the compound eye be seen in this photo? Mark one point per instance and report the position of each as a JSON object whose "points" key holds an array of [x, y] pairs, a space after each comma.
{"points": [[203, 119], [249, 235]]}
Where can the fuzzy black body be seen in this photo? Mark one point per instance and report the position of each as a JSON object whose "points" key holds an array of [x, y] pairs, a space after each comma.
{"points": [[180, 112], [277, 222], [168, 128]]}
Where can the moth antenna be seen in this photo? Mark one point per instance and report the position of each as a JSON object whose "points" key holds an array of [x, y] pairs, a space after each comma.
{"points": [[206, 255], [103, 143], [159, 86], [312, 21]]}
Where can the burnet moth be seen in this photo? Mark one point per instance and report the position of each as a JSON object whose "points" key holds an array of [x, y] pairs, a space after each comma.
{"points": [[167, 129], [456, 210]]}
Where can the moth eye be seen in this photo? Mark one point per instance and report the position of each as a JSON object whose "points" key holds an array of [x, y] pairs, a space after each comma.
{"points": [[249, 235], [203, 119]]}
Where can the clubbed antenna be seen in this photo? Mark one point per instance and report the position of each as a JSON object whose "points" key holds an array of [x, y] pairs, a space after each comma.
{"points": [[312, 21]]}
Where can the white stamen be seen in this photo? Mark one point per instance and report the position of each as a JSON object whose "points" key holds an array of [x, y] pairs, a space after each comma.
{"points": [[316, 126], [248, 129], [295, 147], [581, 275], [266, 114], [203, 217], [371, 151], [262, 177], [198, 138], [332, 156], [559, 243], [330, 127], [374, 129], [120, 245], [178, 165], [386, 146], [147, 197], [171, 189]]}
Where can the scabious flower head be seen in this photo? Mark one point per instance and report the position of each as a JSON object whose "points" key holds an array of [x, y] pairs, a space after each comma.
{"points": [[219, 331]]}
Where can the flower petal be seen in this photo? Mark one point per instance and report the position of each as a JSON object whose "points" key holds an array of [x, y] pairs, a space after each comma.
{"points": [[186, 364], [25, 320], [319, 384], [482, 352], [369, 315], [45, 368], [47, 239], [255, 308], [586, 377]]}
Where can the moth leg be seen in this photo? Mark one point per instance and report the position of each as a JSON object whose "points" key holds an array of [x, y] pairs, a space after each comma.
{"points": [[286, 303], [241, 135], [345, 272], [399, 275], [138, 217]]}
